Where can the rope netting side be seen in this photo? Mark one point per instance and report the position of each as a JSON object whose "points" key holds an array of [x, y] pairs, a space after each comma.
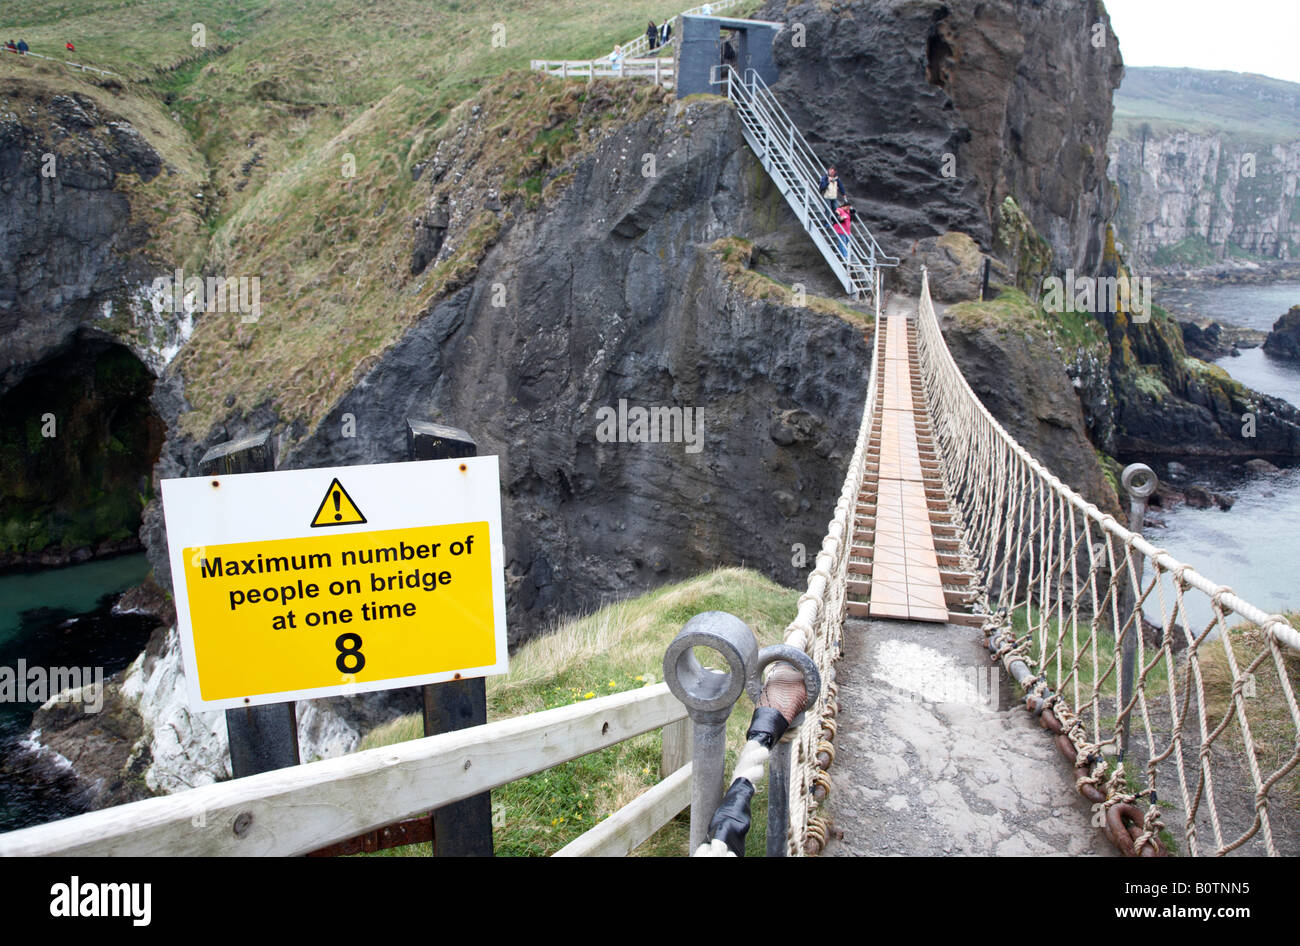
{"points": [[1212, 710], [817, 630]]}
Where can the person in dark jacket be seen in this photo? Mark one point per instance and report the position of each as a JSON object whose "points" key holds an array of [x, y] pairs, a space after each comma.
{"points": [[23, 47], [652, 36], [832, 190], [665, 32]]}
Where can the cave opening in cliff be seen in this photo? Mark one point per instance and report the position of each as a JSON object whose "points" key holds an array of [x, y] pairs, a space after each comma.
{"points": [[78, 441], [937, 52]]}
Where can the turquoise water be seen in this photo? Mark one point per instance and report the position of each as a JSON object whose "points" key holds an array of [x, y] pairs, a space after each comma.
{"points": [[60, 617], [75, 589]]}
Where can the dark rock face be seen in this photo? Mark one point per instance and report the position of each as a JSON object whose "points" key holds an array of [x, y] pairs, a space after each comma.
{"points": [[67, 241], [1019, 94], [1168, 405], [1204, 343], [1212, 340], [77, 441], [1284, 340]]}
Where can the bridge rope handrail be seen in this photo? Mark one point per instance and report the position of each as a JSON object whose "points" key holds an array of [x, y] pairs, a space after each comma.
{"points": [[818, 628], [1273, 624], [1066, 586]]}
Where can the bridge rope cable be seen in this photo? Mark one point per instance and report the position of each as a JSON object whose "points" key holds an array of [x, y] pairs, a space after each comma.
{"points": [[818, 630], [1212, 709]]}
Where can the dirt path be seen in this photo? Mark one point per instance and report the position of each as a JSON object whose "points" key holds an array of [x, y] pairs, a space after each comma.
{"points": [[927, 761]]}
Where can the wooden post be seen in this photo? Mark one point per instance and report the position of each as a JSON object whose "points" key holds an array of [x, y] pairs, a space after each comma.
{"points": [[463, 828], [262, 738], [678, 742]]}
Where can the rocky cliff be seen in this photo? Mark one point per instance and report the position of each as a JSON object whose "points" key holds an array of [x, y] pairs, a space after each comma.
{"points": [[935, 112], [610, 286], [80, 339], [1208, 169]]}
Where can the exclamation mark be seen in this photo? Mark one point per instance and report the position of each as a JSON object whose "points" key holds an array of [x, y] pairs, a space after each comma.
{"points": [[337, 515]]}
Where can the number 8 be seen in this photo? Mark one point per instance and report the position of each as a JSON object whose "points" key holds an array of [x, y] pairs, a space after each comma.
{"points": [[349, 645]]}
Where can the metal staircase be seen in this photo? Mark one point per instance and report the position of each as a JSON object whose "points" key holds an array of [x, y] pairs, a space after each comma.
{"points": [[793, 166]]}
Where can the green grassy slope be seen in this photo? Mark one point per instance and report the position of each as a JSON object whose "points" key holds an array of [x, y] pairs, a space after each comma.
{"points": [[262, 118], [1200, 101]]}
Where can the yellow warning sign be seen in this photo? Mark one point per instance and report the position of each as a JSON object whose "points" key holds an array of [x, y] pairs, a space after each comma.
{"points": [[337, 508], [355, 608]]}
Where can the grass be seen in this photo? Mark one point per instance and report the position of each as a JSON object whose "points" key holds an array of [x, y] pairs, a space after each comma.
{"points": [[1202, 101], [1193, 251], [1149, 381], [735, 255], [618, 648], [1272, 728], [1012, 310], [1089, 671], [337, 285]]}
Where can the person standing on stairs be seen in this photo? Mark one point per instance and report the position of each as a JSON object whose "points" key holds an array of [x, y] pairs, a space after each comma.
{"points": [[652, 36], [843, 214], [831, 190]]}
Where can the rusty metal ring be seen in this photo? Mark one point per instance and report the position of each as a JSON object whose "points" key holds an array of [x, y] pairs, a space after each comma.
{"points": [[1065, 745], [1088, 790], [1118, 819]]}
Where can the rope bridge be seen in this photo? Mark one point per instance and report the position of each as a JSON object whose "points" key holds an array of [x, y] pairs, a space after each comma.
{"points": [[1171, 698], [1210, 716]]}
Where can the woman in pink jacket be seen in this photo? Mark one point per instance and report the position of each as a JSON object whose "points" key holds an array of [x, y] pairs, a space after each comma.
{"points": [[842, 214]]}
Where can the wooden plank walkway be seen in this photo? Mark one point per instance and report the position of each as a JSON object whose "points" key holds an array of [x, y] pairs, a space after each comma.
{"points": [[905, 537]]}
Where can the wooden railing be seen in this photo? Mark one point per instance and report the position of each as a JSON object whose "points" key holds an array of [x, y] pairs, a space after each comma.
{"points": [[662, 71], [296, 810]]}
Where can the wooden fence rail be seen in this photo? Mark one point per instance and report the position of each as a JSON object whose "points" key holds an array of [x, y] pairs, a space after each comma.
{"points": [[295, 810], [662, 71]]}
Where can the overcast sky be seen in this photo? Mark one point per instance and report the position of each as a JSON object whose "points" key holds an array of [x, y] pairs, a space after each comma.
{"points": [[1241, 35]]}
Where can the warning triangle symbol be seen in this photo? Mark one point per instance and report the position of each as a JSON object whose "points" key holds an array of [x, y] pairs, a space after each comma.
{"points": [[337, 508]]}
